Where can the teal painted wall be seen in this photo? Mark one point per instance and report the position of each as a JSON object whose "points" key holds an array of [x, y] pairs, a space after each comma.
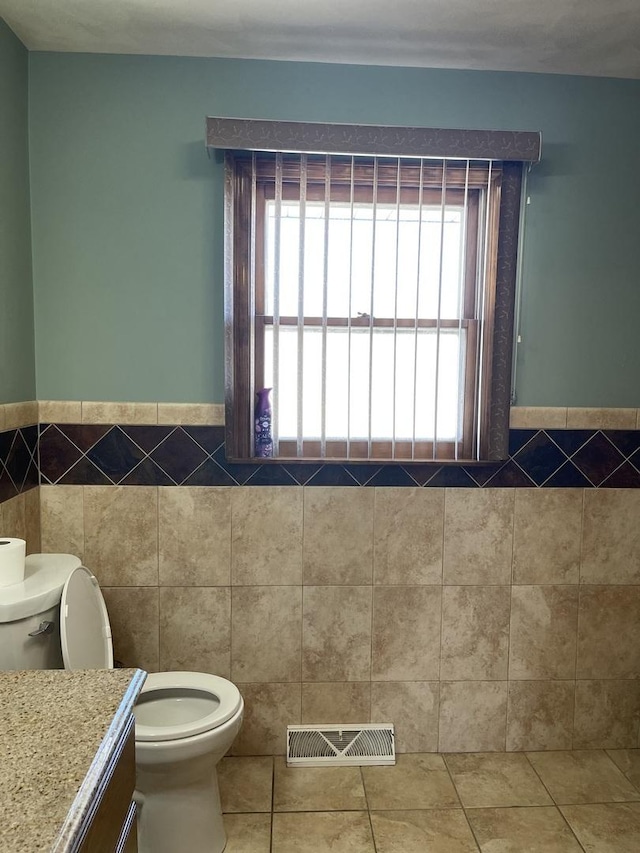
{"points": [[127, 216], [17, 358]]}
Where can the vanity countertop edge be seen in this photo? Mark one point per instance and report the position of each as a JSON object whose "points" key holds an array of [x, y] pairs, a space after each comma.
{"points": [[59, 735]]}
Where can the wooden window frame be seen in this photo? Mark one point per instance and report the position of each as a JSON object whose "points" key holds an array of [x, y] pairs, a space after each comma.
{"points": [[245, 318]]}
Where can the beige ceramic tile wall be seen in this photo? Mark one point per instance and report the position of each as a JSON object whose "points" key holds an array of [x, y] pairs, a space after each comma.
{"points": [[20, 519], [473, 619]]}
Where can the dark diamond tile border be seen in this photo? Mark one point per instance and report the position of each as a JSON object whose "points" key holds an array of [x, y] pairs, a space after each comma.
{"points": [[88, 454]]}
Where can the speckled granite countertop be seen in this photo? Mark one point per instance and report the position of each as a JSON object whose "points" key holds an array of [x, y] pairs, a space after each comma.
{"points": [[58, 731]]}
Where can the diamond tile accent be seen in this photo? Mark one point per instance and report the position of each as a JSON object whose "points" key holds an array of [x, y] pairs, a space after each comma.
{"points": [[568, 477], [84, 436], [452, 477], [178, 455], [539, 458], [510, 476], [147, 437], [392, 475], [88, 454], [115, 454], [18, 460], [624, 477], [271, 475], [597, 459], [85, 473], [570, 440], [57, 454]]}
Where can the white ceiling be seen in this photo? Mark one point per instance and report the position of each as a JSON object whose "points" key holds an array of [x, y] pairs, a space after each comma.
{"points": [[594, 37]]}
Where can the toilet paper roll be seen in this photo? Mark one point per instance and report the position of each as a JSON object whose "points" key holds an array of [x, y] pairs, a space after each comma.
{"points": [[12, 556]]}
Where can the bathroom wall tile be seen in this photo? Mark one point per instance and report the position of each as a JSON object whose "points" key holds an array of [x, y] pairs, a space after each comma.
{"points": [[32, 520], [196, 414], [121, 534], [584, 418], [607, 714], [540, 715], [266, 535], [17, 415], [194, 536], [475, 633], [336, 702], [406, 633], [478, 536], [134, 618], [195, 630], [336, 633], [61, 520], [2, 417], [268, 710], [98, 412], [609, 632], [546, 539], [338, 535], [412, 706], [60, 411], [538, 417], [14, 520], [472, 716], [611, 539], [408, 536], [544, 624], [266, 626]]}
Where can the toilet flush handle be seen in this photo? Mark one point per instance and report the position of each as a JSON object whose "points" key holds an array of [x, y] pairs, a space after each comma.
{"points": [[43, 628]]}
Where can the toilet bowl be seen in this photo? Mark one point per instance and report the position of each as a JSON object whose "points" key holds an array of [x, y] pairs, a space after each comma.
{"points": [[184, 721]]}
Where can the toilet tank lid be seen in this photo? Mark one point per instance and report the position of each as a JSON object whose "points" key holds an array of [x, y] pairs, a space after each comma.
{"points": [[44, 578]]}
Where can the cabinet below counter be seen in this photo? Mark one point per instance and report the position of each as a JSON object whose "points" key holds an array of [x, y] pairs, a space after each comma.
{"points": [[67, 759]]}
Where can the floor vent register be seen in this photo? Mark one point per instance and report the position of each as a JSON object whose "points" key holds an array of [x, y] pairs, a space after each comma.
{"points": [[345, 745]]}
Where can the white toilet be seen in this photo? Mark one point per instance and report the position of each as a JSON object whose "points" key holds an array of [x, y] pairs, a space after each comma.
{"points": [[185, 721]]}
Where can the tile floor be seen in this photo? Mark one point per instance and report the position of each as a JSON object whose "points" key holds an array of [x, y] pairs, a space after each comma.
{"points": [[535, 802]]}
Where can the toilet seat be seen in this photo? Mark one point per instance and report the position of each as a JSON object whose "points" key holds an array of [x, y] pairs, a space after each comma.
{"points": [[190, 702]]}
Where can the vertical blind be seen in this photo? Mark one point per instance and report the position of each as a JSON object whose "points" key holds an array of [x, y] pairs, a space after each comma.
{"points": [[372, 281]]}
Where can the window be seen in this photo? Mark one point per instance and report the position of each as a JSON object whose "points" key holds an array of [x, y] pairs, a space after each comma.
{"points": [[364, 291]]}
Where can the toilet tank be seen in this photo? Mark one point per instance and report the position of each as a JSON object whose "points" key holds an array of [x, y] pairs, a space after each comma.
{"points": [[30, 614]]}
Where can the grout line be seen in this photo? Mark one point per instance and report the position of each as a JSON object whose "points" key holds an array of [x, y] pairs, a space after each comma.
{"points": [[273, 794], [366, 799], [463, 808]]}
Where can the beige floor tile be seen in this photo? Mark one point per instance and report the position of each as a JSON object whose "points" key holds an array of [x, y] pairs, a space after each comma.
{"points": [[582, 777], [248, 833], [432, 830], [245, 784], [322, 789], [534, 830], [628, 760], [496, 779], [415, 782], [609, 828], [317, 832]]}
